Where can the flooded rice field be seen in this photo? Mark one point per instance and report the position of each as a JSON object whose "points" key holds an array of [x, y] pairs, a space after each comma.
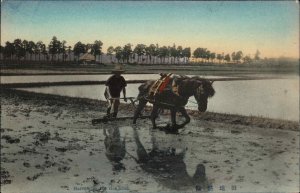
{"points": [[271, 98], [51, 139], [50, 142], [70, 78]]}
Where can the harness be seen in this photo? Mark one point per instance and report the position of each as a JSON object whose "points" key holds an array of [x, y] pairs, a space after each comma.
{"points": [[160, 85]]}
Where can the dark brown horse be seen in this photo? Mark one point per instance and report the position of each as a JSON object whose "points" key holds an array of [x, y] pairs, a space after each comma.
{"points": [[198, 87]]}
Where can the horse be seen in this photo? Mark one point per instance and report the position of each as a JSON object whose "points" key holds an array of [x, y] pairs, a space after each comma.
{"points": [[200, 88]]}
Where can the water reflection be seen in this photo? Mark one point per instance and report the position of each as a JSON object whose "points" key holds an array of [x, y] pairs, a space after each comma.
{"points": [[114, 147], [167, 166]]}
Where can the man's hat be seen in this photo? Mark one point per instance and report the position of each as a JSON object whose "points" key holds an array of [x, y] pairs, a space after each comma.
{"points": [[118, 69]]}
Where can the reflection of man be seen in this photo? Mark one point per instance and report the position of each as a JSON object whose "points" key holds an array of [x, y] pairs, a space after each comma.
{"points": [[114, 85], [115, 147]]}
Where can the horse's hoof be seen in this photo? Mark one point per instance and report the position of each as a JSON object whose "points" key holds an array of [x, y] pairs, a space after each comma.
{"points": [[175, 127], [182, 125], [171, 131]]}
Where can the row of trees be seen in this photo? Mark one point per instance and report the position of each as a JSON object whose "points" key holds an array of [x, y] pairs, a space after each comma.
{"points": [[205, 54], [19, 49], [152, 53]]}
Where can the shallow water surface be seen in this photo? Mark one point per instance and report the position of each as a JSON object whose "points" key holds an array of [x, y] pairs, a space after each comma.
{"points": [[59, 146], [272, 98], [70, 78]]}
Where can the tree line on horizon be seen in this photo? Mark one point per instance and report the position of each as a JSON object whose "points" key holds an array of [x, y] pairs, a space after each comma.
{"points": [[153, 52]]}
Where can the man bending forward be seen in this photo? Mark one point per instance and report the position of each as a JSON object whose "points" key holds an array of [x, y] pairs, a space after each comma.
{"points": [[114, 85]]}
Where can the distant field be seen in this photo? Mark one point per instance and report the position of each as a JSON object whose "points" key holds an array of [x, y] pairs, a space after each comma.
{"points": [[197, 69]]}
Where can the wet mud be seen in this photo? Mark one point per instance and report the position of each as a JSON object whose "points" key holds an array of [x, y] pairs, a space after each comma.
{"points": [[49, 142]]}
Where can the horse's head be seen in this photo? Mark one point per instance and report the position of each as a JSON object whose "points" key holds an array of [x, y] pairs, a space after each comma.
{"points": [[203, 90]]}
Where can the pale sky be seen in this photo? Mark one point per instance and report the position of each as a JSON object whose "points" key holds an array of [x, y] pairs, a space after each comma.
{"points": [[271, 27]]}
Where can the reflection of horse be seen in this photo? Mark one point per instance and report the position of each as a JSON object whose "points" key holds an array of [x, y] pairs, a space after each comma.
{"points": [[201, 89], [115, 147], [167, 166]]}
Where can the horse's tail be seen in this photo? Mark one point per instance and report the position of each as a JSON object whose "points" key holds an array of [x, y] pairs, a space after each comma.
{"points": [[144, 88]]}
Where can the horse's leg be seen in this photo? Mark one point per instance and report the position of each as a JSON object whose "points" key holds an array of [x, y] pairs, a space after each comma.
{"points": [[140, 107], [154, 115], [186, 116], [173, 118]]}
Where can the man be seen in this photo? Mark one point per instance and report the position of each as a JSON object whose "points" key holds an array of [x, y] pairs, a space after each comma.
{"points": [[114, 85]]}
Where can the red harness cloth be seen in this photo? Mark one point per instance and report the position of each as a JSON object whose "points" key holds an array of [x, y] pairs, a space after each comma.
{"points": [[164, 84]]}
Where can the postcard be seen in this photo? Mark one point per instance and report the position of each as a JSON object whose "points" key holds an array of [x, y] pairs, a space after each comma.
{"points": [[149, 96]]}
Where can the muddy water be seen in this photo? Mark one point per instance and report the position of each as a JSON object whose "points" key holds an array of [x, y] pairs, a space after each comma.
{"points": [[272, 98], [76, 155], [70, 78], [59, 150], [275, 98]]}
